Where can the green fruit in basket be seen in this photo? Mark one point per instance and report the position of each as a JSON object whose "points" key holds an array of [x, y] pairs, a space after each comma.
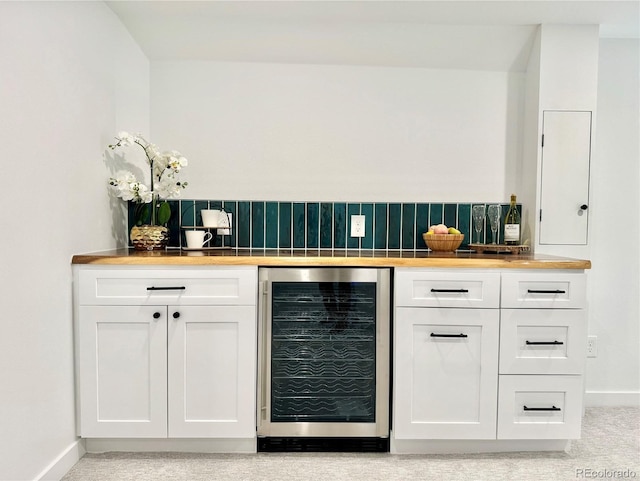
{"points": [[453, 230]]}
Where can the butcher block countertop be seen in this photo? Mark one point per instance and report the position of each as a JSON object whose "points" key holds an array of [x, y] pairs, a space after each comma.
{"points": [[328, 257]]}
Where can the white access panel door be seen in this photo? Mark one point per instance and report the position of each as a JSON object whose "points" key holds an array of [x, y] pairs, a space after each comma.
{"points": [[564, 187]]}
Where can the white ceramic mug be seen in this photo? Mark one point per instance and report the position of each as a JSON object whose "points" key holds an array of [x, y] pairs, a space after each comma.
{"points": [[213, 218], [197, 238]]}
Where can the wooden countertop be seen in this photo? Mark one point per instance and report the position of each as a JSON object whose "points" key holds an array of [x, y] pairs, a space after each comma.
{"points": [[321, 257]]}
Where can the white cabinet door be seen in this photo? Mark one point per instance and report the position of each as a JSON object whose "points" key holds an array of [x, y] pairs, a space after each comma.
{"points": [[446, 373], [123, 371], [564, 187], [212, 366]]}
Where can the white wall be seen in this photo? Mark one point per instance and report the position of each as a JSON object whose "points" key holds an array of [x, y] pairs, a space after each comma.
{"points": [[321, 132], [614, 286], [69, 73]]}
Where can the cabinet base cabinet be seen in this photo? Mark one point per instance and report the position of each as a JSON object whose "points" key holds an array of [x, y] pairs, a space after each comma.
{"points": [[539, 407], [167, 371]]}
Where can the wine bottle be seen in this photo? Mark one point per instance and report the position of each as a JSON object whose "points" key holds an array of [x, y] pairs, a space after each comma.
{"points": [[512, 224]]}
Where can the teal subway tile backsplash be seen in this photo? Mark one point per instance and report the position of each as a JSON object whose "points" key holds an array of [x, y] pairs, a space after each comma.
{"points": [[367, 241], [339, 225], [285, 234], [313, 225], [325, 225], [408, 226]]}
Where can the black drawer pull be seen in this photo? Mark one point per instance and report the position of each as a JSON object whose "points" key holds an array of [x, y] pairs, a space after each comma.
{"points": [[552, 408], [544, 343], [170, 288], [433, 334], [546, 291], [450, 290]]}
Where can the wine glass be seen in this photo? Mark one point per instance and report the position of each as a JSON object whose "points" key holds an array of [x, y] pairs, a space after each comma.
{"points": [[493, 213], [478, 220]]}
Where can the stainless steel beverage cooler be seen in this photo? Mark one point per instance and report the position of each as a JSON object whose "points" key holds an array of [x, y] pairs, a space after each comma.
{"points": [[323, 381]]}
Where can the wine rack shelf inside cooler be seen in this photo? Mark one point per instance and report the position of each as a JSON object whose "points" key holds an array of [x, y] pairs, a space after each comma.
{"points": [[323, 352]]}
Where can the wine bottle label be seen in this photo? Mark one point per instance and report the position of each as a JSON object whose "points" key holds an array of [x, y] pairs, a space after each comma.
{"points": [[512, 232]]}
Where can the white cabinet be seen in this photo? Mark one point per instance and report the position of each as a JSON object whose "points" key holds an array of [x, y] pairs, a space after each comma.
{"points": [[446, 357], [167, 352], [543, 330], [487, 355]]}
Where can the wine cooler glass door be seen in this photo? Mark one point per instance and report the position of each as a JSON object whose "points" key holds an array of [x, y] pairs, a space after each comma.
{"points": [[322, 374]]}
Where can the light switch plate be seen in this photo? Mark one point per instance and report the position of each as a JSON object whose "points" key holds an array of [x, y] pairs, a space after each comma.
{"points": [[357, 225]]}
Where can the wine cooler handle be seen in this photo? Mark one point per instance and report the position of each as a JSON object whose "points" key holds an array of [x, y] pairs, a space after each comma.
{"points": [[263, 361]]}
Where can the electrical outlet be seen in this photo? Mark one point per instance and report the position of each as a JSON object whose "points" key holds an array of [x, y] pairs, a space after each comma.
{"points": [[592, 346], [357, 225]]}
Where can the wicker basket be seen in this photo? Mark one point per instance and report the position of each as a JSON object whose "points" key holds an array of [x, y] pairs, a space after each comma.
{"points": [[443, 242]]}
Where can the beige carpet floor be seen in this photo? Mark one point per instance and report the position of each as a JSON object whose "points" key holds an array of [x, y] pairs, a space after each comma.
{"points": [[609, 449]]}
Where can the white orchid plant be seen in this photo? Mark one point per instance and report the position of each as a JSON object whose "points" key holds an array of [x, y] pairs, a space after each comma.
{"points": [[164, 183]]}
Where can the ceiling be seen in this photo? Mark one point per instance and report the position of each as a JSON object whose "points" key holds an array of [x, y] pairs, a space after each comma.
{"points": [[476, 34]]}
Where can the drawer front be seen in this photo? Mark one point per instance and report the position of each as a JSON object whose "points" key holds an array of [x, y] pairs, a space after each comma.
{"points": [[211, 286], [539, 407], [542, 341], [556, 290], [428, 288]]}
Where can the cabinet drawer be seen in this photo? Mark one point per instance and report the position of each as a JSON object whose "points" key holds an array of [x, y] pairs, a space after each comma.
{"points": [[542, 341], [432, 288], [539, 407], [557, 290], [210, 286]]}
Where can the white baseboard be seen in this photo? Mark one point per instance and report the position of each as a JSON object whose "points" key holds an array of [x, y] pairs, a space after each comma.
{"points": [[612, 398], [208, 445], [63, 463], [465, 446]]}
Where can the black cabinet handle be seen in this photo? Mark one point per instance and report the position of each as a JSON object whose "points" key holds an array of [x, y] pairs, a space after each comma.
{"points": [[156, 315], [176, 315], [545, 291], [544, 343], [552, 408], [433, 334], [584, 207], [170, 288], [450, 290]]}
